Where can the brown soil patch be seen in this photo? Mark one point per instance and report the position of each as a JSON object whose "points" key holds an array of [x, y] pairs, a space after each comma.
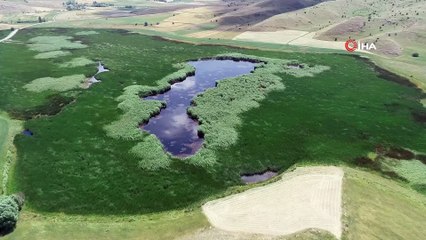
{"points": [[344, 30], [387, 47], [400, 153], [143, 11], [263, 10]]}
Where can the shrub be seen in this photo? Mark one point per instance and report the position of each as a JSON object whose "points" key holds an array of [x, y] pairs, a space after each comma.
{"points": [[415, 55], [9, 212]]}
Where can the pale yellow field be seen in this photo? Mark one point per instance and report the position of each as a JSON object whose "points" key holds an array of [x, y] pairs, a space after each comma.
{"points": [[281, 37], [309, 197], [214, 34], [186, 19]]}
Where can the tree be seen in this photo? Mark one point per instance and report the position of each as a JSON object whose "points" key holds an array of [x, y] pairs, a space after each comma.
{"points": [[9, 212], [415, 55], [40, 20], [145, 24]]}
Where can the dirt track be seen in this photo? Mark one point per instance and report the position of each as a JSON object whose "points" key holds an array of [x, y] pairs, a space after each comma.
{"points": [[306, 198]]}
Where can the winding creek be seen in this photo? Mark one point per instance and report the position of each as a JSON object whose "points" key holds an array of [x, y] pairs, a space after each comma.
{"points": [[176, 130], [101, 68]]}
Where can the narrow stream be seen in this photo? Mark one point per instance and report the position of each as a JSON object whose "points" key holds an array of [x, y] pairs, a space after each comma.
{"points": [[173, 127], [101, 68]]}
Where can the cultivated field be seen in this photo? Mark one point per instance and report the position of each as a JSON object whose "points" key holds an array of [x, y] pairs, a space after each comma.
{"points": [[305, 198], [292, 37]]}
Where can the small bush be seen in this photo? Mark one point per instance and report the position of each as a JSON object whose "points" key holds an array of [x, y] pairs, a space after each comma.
{"points": [[415, 55], [9, 212]]}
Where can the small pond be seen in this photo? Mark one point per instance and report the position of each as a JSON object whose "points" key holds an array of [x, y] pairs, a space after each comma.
{"points": [[255, 178], [173, 127]]}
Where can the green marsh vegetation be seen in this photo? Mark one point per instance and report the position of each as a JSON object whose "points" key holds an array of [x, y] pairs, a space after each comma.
{"points": [[53, 43], [8, 129], [56, 84], [52, 54], [73, 165], [53, 46], [77, 62]]}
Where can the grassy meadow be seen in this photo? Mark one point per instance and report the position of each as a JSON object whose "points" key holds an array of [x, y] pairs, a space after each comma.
{"points": [[72, 165], [8, 129], [378, 208], [163, 226]]}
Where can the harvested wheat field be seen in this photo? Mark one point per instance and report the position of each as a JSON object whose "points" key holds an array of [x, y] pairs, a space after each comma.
{"points": [[280, 37], [309, 197]]}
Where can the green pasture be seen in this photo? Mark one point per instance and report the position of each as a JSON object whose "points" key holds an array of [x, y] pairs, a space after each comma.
{"points": [[72, 165], [8, 129], [377, 208], [4, 137], [162, 226]]}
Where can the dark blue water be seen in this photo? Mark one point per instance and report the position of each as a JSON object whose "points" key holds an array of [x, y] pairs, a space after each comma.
{"points": [[173, 127], [28, 132]]}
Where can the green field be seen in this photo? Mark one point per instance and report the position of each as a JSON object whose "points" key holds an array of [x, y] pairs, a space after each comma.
{"points": [[4, 135], [72, 166], [8, 129], [76, 175], [154, 227], [378, 208], [374, 208]]}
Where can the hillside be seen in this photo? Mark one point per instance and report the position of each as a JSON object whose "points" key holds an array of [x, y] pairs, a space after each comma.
{"points": [[261, 10]]}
